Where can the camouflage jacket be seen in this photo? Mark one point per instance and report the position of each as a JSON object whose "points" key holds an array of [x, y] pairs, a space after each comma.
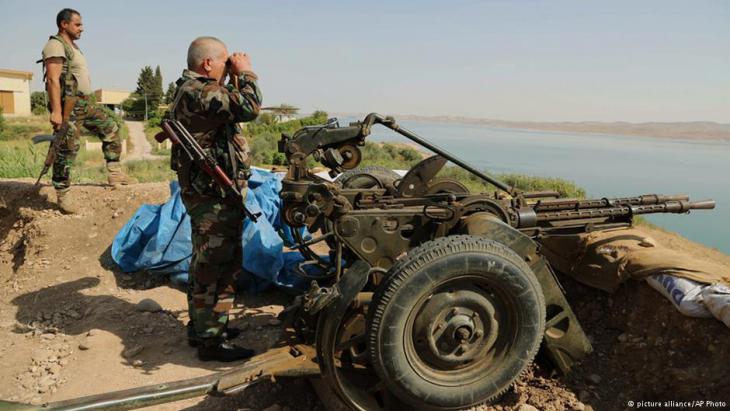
{"points": [[211, 113]]}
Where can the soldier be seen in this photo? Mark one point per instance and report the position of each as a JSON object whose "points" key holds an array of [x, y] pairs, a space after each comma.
{"points": [[67, 76], [210, 110]]}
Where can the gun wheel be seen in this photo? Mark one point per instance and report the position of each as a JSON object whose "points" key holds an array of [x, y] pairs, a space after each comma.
{"points": [[367, 177], [455, 323], [342, 348]]}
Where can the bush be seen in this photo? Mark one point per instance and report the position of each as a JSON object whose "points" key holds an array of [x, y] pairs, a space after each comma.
{"points": [[2, 122], [38, 102]]}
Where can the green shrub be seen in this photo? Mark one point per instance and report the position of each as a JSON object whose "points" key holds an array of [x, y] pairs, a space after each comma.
{"points": [[2, 123], [38, 102]]}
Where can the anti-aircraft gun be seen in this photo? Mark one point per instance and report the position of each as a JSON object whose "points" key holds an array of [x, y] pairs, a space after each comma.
{"points": [[435, 297], [430, 297]]}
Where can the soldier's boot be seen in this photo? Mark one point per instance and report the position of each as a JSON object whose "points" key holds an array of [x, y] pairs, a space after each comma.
{"points": [[116, 176], [65, 202], [229, 333], [216, 349]]}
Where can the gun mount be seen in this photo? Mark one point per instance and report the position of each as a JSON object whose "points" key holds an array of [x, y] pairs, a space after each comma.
{"points": [[432, 297]]}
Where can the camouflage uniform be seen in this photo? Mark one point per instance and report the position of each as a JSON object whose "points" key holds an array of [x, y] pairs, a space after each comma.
{"points": [[94, 119], [211, 113], [85, 113]]}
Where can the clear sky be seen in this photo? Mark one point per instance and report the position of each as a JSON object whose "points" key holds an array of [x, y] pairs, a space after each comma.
{"points": [[547, 60]]}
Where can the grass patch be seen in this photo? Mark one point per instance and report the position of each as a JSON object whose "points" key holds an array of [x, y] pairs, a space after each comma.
{"points": [[147, 171], [157, 148]]}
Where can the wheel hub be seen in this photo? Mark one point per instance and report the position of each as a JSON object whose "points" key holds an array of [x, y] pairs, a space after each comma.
{"points": [[455, 328]]}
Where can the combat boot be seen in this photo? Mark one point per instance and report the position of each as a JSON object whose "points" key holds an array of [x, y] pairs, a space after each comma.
{"points": [[116, 175], [229, 333], [218, 350], [64, 201]]}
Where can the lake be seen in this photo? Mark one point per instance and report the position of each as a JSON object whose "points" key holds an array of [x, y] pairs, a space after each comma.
{"points": [[604, 165]]}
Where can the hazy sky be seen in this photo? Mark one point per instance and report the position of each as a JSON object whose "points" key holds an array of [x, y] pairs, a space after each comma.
{"points": [[516, 60]]}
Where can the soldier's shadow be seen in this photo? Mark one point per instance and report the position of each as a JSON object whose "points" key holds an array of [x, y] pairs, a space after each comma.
{"points": [[162, 334]]}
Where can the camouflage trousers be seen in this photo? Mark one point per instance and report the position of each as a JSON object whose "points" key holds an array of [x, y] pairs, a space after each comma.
{"points": [[217, 258], [92, 118]]}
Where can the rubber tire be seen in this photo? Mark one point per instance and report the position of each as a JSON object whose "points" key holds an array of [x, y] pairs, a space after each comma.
{"points": [[358, 177], [416, 275]]}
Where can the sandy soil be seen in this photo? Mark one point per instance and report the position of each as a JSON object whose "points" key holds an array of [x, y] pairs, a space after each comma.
{"points": [[70, 325]]}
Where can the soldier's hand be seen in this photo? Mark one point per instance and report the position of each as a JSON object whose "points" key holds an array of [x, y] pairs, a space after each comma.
{"points": [[56, 120], [240, 62]]}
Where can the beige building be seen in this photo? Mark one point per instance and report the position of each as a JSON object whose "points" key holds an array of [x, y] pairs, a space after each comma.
{"points": [[15, 92], [112, 98]]}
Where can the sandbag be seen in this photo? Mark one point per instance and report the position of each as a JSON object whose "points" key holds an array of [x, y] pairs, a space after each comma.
{"points": [[606, 259], [686, 295], [717, 299]]}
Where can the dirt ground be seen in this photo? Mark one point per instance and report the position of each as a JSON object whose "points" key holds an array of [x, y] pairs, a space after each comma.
{"points": [[70, 324]]}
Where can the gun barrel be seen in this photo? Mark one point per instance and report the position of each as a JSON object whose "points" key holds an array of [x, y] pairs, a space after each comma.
{"points": [[576, 204], [703, 205]]}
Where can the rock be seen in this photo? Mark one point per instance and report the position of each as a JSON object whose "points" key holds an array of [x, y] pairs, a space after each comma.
{"points": [[48, 336], [623, 337], [594, 378], [167, 351], [584, 396], [73, 314], [148, 305], [273, 407], [137, 363], [526, 407], [132, 351], [54, 369], [274, 322], [84, 345], [45, 381]]}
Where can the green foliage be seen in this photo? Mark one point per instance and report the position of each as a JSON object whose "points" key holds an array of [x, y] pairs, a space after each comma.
{"points": [[24, 128], [319, 114], [155, 118], [266, 118], [521, 181], [264, 133], [395, 156], [170, 93], [21, 159], [2, 124], [39, 102], [151, 170], [148, 94], [158, 91]]}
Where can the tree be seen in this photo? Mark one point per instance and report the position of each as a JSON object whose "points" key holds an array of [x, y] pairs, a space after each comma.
{"points": [[38, 102], [170, 93], [149, 91], [158, 92]]}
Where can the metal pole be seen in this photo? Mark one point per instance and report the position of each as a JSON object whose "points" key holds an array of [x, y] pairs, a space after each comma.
{"points": [[438, 150]]}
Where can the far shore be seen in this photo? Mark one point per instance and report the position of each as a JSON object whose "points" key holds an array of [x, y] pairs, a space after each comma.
{"points": [[691, 130]]}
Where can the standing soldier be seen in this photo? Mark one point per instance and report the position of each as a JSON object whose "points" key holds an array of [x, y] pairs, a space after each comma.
{"points": [[211, 110], [67, 81]]}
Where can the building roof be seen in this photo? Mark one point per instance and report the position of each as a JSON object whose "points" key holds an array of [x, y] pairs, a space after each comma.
{"points": [[27, 75], [112, 90]]}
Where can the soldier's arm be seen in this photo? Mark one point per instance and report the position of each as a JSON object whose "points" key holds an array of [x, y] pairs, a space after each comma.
{"points": [[227, 103], [54, 67]]}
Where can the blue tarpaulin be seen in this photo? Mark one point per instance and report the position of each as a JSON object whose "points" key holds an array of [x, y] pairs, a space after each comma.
{"points": [[157, 238]]}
